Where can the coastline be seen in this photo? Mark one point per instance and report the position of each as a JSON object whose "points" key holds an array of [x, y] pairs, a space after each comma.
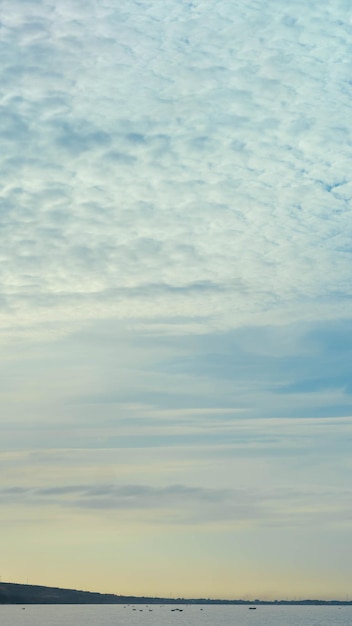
{"points": [[16, 593]]}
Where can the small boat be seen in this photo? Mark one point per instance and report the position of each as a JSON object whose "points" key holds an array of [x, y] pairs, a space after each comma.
{"points": [[252, 608]]}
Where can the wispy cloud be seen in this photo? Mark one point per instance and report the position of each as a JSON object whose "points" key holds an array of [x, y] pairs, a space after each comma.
{"points": [[180, 504]]}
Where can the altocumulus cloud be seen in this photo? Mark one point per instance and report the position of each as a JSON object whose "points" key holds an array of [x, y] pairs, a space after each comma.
{"points": [[201, 157]]}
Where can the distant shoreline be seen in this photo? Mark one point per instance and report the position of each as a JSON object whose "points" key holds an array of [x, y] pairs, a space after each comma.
{"points": [[15, 593]]}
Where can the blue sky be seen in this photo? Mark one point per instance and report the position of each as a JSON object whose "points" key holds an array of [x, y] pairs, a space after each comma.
{"points": [[176, 314]]}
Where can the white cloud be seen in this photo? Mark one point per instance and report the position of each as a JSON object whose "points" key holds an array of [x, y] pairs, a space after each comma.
{"points": [[166, 159]]}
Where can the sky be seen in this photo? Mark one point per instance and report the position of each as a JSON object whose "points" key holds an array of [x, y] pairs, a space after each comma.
{"points": [[176, 296]]}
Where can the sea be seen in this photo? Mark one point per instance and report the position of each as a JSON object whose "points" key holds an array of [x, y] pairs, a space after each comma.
{"points": [[172, 615]]}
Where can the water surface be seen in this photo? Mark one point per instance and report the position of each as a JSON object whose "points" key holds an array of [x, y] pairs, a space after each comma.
{"points": [[155, 615]]}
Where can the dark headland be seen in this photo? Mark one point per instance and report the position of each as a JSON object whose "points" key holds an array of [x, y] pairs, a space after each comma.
{"points": [[13, 593]]}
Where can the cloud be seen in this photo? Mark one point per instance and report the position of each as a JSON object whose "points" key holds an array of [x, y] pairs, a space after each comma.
{"points": [[113, 387], [175, 296], [162, 150], [180, 504]]}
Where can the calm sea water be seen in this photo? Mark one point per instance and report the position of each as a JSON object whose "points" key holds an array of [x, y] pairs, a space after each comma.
{"points": [[117, 615]]}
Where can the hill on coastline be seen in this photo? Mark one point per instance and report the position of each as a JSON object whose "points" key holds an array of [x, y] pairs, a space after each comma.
{"points": [[13, 593]]}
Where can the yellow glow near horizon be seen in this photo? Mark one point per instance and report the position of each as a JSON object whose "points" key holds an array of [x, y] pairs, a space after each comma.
{"points": [[160, 562]]}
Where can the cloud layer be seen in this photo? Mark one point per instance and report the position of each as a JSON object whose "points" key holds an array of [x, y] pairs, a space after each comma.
{"points": [[175, 293], [166, 159]]}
